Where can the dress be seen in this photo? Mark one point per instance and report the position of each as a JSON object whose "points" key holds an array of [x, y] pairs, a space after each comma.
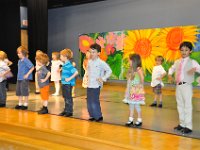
{"points": [[136, 91], [55, 73], [85, 77]]}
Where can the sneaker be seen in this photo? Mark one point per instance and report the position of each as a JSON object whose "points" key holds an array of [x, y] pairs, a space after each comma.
{"points": [[44, 110], [18, 107], [153, 105], [160, 105], [24, 107]]}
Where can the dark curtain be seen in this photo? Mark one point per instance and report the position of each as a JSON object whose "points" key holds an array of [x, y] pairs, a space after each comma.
{"points": [[10, 31], [37, 26]]}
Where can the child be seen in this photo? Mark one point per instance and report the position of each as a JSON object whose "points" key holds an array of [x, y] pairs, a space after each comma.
{"points": [[69, 72], [184, 77], [85, 64], [98, 72], [25, 69], [156, 82], [37, 89], [128, 76], [43, 80], [4, 69], [136, 90], [73, 64], [55, 71], [9, 63]]}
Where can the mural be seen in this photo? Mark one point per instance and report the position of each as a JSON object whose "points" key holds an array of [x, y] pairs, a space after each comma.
{"points": [[148, 43]]}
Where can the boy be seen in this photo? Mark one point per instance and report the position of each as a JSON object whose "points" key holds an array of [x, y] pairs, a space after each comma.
{"points": [[184, 78], [69, 72], [98, 71], [25, 69], [157, 75]]}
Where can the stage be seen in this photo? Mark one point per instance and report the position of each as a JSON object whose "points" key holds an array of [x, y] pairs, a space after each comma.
{"points": [[115, 111]]}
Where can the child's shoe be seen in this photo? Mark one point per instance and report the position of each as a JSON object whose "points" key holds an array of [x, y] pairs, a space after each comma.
{"points": [[154, 104], [160, 105], [44, 110], [138, 123], [130, 122]]}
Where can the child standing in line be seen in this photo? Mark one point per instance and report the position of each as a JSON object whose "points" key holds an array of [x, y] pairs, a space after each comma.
{"points": [[55, 71], [136, 90], [43, 75], [25, 69], [126, 96], [184, 69], [4, 69], [98, 72], [156, 82], [69, 72], [85, 64], [73, 64], [37, 89]]}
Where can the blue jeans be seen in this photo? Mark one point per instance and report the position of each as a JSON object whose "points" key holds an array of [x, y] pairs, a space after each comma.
{"points": [[3, 92], [67, 95], [93, 103]]}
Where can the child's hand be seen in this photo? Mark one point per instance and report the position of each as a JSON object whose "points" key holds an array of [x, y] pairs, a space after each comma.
{"points": [[100, 80], [191, 71], [170, 79], [58, 71], [26, 76], [67, 79], [1, 75], [42, 80]]}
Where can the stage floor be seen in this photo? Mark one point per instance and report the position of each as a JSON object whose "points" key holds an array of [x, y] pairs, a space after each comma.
{"points": [[115, 111]]}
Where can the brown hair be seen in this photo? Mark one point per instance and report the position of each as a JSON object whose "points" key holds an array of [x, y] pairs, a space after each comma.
{"points": [[66, 53], [57, 54], [2, 55], [42, 58], [23, 50], [160, 58]]}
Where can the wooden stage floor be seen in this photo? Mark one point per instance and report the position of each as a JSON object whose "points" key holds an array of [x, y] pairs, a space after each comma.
{"points": [[116, 112]]}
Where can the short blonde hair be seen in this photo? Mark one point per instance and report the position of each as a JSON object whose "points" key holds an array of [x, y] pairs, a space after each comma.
{"points": [[23, 50], [43, 58], [2, 55], [57, 54], [67, 53]]}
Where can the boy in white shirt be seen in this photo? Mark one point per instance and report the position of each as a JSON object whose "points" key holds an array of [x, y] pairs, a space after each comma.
{"points": [[156, 82], [98, 72]]}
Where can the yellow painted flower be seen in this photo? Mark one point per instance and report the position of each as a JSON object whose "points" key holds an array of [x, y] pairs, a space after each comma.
{"points": [[145, 43], [171, 38]]}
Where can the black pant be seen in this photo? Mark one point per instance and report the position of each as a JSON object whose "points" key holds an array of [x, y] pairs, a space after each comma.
{"points": [[3, 94], [67, 95]]}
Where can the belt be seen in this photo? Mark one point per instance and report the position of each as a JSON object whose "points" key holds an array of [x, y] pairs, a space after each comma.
{"points": [[180, 83]]}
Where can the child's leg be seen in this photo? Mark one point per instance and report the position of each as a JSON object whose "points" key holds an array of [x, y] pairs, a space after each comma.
{"points": [[73, 91], [20, 98], [139, 119], [57, 88], [160, 98], [155, 101], [37, 89], [44, 93], [131, 115], [2, 93], [68, 100]]}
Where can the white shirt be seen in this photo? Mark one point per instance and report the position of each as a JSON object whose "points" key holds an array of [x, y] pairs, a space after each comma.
{"points": [[3, 68], [97, 69], [175, 65], [158, 71]]}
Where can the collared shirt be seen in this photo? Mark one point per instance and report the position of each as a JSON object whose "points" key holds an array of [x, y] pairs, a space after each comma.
{"points": [[42, 73], [185, 60], [97, 69], [157, 72], [24, 65], [67, 71], [3, 68]]}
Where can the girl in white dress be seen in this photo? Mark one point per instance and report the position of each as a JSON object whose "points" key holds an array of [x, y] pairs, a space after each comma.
{"points": [[85, 64], [55, 71], [37, 89]]}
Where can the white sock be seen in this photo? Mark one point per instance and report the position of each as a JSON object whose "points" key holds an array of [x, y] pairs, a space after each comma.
{"points": [[139, 119], [45, 103], [25, 104], [20, 104], [130, 119]]}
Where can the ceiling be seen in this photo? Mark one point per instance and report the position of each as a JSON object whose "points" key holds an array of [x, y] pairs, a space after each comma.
{"points": [[63, 3]]}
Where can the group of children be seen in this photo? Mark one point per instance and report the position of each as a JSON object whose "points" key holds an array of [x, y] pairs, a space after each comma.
{"points": [[97, 72]]}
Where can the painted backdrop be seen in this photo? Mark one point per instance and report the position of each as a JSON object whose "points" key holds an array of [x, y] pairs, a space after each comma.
{"points": [[148, 43]]}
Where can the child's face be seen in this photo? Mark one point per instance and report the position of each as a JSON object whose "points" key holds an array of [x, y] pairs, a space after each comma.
{"points": [[130, 62], [63, 58], [158, 62], [54, 57], [20, 55], [185, 52], [94, 54], [88, 55], [39, 63]]}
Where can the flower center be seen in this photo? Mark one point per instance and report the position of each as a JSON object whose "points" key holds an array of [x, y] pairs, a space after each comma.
{"points": [[85, 43], [143, 47]]}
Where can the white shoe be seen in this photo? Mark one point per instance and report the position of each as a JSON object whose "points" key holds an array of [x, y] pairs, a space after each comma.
{"points": [[55, 94]]}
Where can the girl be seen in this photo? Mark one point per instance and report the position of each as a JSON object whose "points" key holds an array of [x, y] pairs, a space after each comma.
{"points": [[55, 71], [43, 75], [85, 64], [136, 90], [37, 89], [4, 69], [9, 63]]}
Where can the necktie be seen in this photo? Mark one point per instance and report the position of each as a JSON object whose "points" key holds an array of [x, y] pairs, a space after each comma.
{"points": [[179, 71]]}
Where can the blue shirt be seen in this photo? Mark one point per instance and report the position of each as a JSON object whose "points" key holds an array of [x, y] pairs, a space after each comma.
{"points": [[67, 71], [24, 65]]}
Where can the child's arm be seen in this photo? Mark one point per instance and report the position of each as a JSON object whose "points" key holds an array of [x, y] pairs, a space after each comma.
{"points": [[107, 72], [28, 73], [141, 75], [171, 71], [46, 78], [196, 68], [73, 76]]}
